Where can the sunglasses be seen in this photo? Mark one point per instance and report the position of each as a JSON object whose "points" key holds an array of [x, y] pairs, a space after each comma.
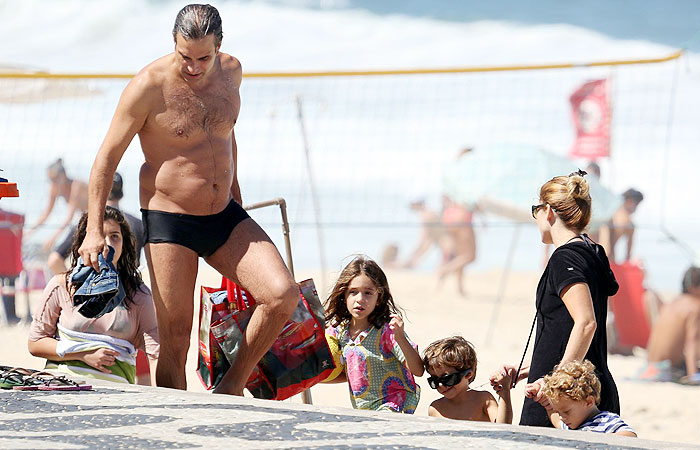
{"points": [[448, 380], [536, 208]]}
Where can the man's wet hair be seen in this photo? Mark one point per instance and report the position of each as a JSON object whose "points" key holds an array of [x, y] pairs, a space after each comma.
{"points": [[197, 21]]}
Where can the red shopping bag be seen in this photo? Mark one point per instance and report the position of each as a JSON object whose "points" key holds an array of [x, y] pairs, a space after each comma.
{"points": [[297, 360], [214, 307]]}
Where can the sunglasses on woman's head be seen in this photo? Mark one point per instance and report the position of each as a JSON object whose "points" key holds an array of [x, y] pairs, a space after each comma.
{"points": [[448, 380]]}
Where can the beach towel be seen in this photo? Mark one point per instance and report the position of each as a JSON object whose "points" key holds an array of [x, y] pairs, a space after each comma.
{"points": [[122, 371], [297, 360]]}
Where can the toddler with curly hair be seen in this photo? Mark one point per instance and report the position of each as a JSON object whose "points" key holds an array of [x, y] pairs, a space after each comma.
{"points": [[573, 391]]}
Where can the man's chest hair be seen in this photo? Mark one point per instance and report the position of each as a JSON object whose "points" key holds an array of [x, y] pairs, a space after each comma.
{"points": [[188, 112]]}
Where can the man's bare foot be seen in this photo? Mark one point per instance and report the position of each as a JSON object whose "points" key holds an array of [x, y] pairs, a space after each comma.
{"points": [[228, 390]]}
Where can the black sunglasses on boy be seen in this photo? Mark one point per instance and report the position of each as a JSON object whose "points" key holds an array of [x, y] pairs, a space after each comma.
{"points": [[448, 380]]}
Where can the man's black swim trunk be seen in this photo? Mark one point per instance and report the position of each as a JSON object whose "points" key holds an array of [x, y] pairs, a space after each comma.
{"points": [[203, 234]]}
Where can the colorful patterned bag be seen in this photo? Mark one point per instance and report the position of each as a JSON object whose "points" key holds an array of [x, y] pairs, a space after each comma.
{"points": [[297, 360], [214, 307]]}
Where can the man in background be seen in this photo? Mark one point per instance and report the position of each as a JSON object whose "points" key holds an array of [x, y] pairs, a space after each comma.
{"points": [[674, 345], [621, 225], [57, 257], [74, 192]]}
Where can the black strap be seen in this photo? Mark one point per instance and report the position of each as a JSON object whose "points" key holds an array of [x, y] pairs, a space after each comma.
{"points": [[520, 366], [578, 236]]}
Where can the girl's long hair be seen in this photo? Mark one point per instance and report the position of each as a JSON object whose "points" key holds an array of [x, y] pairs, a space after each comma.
{"points": [[336, 307], [127, 266]]}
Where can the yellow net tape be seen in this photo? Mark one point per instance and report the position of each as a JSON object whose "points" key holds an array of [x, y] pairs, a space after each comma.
{"points": [[349, 73]]}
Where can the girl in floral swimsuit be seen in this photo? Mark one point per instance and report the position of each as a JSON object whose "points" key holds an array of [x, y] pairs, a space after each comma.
{"points": [[378, 359]]}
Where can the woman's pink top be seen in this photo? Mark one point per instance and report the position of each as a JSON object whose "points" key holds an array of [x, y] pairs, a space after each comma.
{"points": [[137, 324]]}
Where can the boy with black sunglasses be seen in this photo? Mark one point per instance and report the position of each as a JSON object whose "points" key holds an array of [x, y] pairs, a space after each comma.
{"points": [[451, 363]]}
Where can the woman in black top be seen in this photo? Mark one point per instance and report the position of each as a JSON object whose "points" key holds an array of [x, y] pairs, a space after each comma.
{"points": [[572, 297]]}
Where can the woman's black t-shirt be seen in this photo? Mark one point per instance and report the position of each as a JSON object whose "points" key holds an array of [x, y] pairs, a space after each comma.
{"points": [[574, 262]]}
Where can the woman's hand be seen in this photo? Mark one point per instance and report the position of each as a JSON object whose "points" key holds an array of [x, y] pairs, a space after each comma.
{"points": [[534, 391], [506, 374], [100, 359], [504, 384]]}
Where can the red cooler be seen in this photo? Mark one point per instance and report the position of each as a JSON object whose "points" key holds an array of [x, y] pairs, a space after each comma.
{"points": [[10, 243], [628, 306]]}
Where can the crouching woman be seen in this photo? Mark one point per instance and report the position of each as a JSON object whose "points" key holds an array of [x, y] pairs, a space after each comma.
{"points": [[104, 347]]}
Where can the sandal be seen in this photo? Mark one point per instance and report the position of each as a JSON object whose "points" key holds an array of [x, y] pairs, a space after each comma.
{"points": [[33, 381], [15, 376], [61, 383]]}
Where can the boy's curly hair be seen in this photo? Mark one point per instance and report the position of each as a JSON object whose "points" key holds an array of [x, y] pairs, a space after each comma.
{"points": [[455, 352], [574, 379]]}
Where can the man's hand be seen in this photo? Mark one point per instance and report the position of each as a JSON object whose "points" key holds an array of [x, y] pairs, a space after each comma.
{"points": [[100, 359], [92, 246]]}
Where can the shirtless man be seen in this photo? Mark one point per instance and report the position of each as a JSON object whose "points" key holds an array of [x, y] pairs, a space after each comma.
{"points": [[183, 106], [621, 225], [673, 344], [74, 192]]}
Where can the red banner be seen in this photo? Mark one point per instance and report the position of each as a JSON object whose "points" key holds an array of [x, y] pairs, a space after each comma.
{"points": [[590, 110]]}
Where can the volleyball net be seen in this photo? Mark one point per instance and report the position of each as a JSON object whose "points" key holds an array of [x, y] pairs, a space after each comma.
{"points": [[349, 150]]}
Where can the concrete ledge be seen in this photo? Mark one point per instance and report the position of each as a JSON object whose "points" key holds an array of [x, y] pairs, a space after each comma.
{"points": [[115, 417]]}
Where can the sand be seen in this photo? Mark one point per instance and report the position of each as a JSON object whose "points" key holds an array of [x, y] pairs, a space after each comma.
{"points": [[661, 411]]}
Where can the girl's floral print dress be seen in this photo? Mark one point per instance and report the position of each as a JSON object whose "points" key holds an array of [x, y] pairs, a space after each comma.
{"points": [[376, 369]]}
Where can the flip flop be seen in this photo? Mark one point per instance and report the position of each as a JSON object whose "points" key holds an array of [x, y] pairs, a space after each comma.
{"points": [[34, 381], [15, 376], [61, 383]]}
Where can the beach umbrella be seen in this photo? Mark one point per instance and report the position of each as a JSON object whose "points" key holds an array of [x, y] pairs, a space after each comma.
{"points": [[505, 180]]}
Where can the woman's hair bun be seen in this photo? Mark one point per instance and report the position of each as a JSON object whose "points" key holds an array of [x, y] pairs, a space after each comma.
{"points": [[578, 186]]}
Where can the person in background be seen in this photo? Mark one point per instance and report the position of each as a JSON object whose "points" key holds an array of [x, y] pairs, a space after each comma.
{"points": [[673, 350], [451, 362], [457, 220], [74, 192], [573, 391], [593, 169], [103, 347], [57, 258], [379, 361], [621, 225], [433, 233]]}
